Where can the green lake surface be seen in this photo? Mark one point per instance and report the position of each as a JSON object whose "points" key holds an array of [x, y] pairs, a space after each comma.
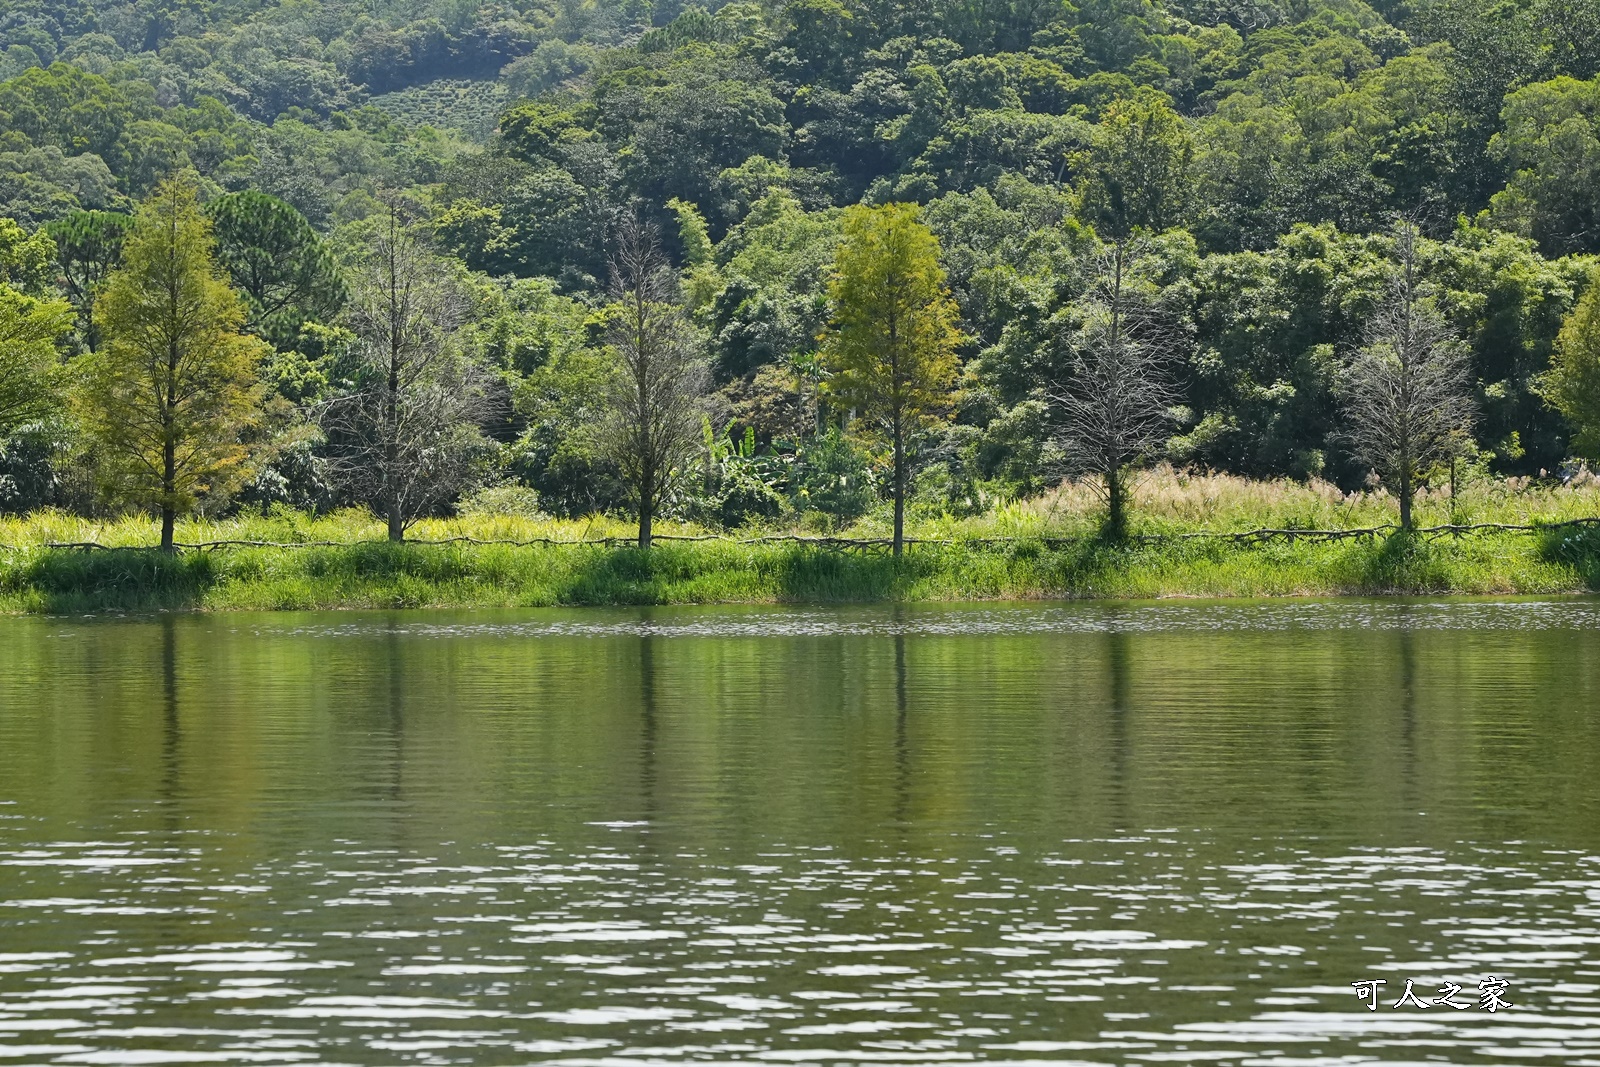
{"points": [[1167, 833]]}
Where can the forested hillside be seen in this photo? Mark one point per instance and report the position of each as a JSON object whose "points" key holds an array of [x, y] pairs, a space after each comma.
{"points": [[1251, 156]]}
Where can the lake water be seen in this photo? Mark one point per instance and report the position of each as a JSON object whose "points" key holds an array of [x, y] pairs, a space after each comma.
{"points": [[1086, 834]]}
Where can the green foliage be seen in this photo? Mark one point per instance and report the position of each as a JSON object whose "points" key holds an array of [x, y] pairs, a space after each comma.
{"points": [[891, 343], [1266, 148], [88, 246], [676, 139], [1272, 328], [280, 266], [559, 393], [38, 185], [30, 330], [692, 234], [1551, 145], [734, 486], [833, 476], [469, 106], [1136, 174], [24, 257], [70, 109], [892, 340], [175, 386], [36, 469], [700, 274], [1572, 384], [772, 302], [536, 130]]}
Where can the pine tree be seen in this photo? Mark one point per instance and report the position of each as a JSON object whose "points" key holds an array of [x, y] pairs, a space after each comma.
{"points": [[174, 387], [88, 249], [284, 272]]}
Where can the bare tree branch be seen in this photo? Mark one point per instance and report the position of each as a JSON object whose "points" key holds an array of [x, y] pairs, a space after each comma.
{"points": [[405, 437], [1114, 406], [1408, 391], [654, 420]]}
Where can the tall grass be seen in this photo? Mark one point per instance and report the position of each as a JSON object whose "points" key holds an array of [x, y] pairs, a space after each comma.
{"points": [[1168, 501], [364, 571], [284, 526]]}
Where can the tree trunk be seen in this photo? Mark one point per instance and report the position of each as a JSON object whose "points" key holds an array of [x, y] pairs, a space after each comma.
{"points": [[1405, 498], [391, 399], [1116, 505], [899, 489], [647, 507], [169, 484]]}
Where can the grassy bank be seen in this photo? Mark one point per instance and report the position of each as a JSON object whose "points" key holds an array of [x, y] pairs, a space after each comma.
{"points": [[1052, 554]]}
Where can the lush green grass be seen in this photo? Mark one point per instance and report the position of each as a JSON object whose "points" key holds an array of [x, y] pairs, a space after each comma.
{"points": [[382, 575], [362, 571]]}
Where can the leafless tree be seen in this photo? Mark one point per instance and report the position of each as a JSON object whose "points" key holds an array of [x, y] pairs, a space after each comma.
{"points": [[654, 421], [404, 437], [1114, 406], [1408, 391]]}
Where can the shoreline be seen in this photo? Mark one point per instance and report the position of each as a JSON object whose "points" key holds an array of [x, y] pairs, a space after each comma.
{"points": [[379, 575]]}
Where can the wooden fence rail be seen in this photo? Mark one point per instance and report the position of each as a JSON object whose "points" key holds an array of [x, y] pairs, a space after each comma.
{"points": [[1246, 537]]}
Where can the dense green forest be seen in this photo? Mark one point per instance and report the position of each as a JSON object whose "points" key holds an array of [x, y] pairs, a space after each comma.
{"points": [[1248, 159]]}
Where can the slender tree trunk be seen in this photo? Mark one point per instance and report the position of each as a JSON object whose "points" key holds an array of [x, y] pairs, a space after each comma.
{"points": [[1116, 504], [169, 489], [899, 487], [1407, 466], [647, 415], [391, 414], [169, 483], [1407, 353], [897, 416], [391, 493], [1454, 513], [391, 474], [169, 403], [647, 508]]}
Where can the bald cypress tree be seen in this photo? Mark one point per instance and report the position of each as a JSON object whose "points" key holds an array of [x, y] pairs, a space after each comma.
{"points": [[174, 388], [892, 343]]}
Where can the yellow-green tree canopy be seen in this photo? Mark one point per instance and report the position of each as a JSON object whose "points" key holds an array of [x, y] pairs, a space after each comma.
{"points": [[1572, 384], [174, 389], [29, 331], [891, 346], [25, 259]]}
